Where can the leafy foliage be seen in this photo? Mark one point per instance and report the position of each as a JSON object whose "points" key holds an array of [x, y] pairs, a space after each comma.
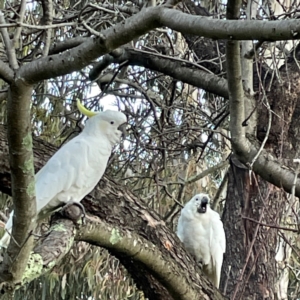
{"points": [[87, 272]]}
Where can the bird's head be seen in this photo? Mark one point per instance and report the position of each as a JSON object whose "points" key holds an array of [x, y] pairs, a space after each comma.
{"points": [[111, 123], [201, 201]]}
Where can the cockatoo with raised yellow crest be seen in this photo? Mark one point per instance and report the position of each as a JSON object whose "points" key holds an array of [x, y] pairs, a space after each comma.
{"points": [[201, 231], [75, 169]]}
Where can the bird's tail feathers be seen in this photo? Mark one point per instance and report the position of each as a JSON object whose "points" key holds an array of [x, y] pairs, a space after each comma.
{"points": [[212, 274]]}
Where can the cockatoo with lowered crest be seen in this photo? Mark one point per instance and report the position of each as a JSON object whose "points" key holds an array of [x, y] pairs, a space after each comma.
{"points": [[201, 231], [75, 169]]}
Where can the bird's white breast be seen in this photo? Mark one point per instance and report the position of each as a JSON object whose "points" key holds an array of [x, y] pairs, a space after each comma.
{"points": [[195, 236]]}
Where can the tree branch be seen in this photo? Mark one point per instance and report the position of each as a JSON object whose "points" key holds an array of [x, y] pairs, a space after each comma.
{"points": [[124, 242], [150, 18], [197, 177], [47, 20], [54, 245], [66, 45], [79, 57], [236, 95], [230, 29], [178, 69], [18, 30], [10, 51]]}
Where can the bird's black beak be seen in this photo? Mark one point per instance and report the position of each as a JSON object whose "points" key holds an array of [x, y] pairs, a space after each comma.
{"points": [[203, 205], [122, 128]]}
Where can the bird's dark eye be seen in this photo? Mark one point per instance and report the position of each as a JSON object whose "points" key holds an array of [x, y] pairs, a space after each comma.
{"points": [[111, 122], [197, 199]]}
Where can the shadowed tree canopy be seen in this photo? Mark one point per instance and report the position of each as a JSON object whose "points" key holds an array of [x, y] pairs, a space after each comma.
{"points": [[211, 96]]}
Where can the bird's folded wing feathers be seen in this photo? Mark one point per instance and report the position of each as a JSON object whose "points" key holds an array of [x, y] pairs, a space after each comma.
{"points": [[217, 240], [66, 168], [218, 232]]}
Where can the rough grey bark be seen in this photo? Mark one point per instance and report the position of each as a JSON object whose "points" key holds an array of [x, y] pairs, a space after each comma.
{"points": [[249, 263], [51, 248]]}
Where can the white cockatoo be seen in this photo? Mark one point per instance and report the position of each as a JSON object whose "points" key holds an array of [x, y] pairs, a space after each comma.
{"points": [[75, 169], [201, 231]]}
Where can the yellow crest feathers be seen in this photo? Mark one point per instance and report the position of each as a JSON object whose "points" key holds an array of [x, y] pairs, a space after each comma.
{"points": [[84, 110]]}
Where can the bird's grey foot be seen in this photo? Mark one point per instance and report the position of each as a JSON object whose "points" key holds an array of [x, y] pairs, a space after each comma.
{"points": [[74, 210]]}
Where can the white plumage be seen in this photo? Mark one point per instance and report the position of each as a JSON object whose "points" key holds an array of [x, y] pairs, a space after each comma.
{"points": [[201, 231], [75, 169]]}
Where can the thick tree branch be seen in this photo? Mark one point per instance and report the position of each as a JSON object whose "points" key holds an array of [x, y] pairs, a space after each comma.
{"points": [[66, 45], [236, 95], [50, 248], [150, 18], [54, 245], [230, 29], [79, 57], [126, 243], [233, 9], [180, 70]]}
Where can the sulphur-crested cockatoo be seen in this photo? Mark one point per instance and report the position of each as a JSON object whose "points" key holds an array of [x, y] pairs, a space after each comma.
{"points": [[75, 169], [201, 231]]}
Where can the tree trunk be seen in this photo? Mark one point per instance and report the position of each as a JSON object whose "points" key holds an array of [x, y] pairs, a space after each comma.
{"points": [[249, 262]]}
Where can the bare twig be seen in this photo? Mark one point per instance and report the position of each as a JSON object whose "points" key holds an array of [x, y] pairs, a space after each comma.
{"points": [[192, 179], [271, 225], [43, 27]]}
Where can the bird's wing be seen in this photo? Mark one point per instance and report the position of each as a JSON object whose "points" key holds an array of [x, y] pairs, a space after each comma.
{"points": [[185, 220], [217, 245], [69, 168], [184, 216], [180, 228], [217, 231]]}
